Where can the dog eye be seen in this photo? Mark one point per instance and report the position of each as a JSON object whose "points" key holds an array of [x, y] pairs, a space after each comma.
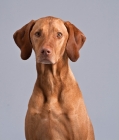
{"points": [[59, 34], [38, 34]]}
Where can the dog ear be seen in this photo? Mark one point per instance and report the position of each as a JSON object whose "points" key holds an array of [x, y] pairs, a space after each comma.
{"points": [[22, 40], [75, 41]]}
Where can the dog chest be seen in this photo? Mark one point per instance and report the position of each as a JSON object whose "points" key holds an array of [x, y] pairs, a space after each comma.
{"points": [[50, 126]]}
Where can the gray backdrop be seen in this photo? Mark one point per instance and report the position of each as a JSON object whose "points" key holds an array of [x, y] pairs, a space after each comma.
{"points": [[97, 70]]}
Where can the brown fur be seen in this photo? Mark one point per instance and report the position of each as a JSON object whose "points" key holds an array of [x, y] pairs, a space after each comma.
{"points": [[56, 109]]}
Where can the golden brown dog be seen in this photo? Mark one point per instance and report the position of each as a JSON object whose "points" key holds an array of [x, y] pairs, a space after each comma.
{"points": [[56, 109]]}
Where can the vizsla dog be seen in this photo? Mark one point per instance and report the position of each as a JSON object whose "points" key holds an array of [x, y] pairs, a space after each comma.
{"points": [[56, 110]]}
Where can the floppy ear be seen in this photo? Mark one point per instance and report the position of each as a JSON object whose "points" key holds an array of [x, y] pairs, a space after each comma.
{"points": [[22, 40], [75, 41]]}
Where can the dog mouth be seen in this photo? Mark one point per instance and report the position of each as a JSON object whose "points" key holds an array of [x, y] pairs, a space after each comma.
{"points": [[45, 60]]}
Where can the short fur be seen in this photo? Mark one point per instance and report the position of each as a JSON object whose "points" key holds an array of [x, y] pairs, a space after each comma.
{"points": [[56, 110]]}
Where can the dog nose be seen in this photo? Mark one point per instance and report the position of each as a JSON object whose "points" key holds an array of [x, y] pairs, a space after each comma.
{"points": [[45, 51]]}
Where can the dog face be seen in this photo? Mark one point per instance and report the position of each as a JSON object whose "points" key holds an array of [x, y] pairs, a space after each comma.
{"points": [[49, 37]]}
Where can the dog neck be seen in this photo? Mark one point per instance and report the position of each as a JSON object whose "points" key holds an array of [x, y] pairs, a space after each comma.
{"points": [[51, 78]]}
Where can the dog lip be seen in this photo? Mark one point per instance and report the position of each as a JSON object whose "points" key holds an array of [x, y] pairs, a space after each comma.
{"points": [[46, 61]]}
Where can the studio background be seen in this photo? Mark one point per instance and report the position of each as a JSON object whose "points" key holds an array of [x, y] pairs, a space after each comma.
{"points": [[96, 71]]}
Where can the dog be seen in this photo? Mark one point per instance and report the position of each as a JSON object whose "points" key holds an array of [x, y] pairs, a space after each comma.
{"points": [[56, 109]]}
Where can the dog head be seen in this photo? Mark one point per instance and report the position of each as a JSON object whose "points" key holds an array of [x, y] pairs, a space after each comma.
{"points": [[50, 38]]}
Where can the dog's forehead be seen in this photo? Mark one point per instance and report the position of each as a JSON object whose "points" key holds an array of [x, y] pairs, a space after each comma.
{"points": [[50, 22]]}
